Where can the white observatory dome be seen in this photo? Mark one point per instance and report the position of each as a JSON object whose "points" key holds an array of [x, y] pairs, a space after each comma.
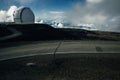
{"points": [[23, 15]]}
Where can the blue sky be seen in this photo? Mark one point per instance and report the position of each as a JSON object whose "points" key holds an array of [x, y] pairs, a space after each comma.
{"points": [[39, 5], [43, 9], [97, 12]]}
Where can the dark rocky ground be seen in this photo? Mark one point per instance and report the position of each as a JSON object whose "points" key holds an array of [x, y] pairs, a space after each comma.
{"points": [[37, 32], [64, 67]]}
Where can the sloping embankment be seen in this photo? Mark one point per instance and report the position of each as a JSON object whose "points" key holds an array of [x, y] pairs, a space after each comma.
{"points": [[35, 32]]}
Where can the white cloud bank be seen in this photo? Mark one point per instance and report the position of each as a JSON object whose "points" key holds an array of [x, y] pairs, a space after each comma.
{"points": [[2, 16], [105, 14], [51, 15], [7, 16]]}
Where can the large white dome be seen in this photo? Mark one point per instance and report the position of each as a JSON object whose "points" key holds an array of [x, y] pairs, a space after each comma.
{"points": [[23, 15]]}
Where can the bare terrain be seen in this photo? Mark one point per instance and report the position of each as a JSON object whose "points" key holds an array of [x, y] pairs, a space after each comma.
{"points": [[41, 52], [37, 32], [73, 60]]}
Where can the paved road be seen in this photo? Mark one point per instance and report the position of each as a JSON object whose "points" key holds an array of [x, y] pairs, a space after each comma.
{"points": [[67, 65], [48, 47]]}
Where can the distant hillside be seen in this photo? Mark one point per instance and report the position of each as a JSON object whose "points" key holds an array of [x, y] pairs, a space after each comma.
{"points": [[91, 35], [35, 32]]}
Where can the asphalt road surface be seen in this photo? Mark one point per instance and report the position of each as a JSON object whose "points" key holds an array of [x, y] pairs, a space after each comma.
{"points": [[49, 47], [73, 60]]}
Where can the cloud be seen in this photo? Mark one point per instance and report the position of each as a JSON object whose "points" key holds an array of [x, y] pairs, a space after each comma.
{"points": [[11, 10], [98, 12], [56, 12], [94, 1], [51, 15], [2, 16], [7, 16], [24, 1], [10, 13]]}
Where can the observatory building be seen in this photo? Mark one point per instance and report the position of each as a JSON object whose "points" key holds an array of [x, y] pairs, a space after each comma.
{"points": [[23, 15]]}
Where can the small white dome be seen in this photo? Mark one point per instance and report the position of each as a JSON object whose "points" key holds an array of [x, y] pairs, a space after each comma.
{"points": [[60, 25], [42, 21], [23, 15]]}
